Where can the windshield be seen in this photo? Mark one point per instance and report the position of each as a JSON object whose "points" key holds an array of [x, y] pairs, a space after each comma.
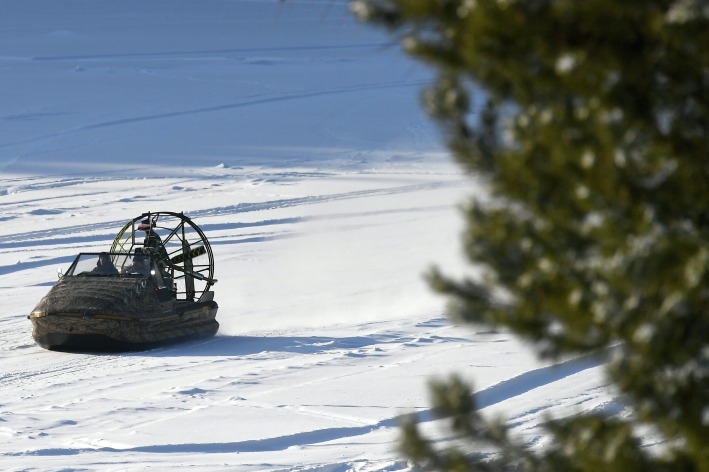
{"points": [[107, 264]]}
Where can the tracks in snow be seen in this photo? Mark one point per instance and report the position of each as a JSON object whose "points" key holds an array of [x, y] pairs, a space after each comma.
{"points": [[278, 377], [84, 234]]}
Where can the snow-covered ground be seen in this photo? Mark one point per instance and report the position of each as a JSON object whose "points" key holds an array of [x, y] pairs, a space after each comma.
{"points": [[293, 136]]}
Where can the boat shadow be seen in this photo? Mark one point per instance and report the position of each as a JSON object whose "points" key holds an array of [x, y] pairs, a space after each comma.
{"points": [[238, 346]]}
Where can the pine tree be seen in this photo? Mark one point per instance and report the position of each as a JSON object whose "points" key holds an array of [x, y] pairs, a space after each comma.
{"points": [[594, 147]]}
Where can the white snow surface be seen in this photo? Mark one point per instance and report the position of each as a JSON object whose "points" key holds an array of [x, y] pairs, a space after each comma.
{"points": [[294, 137]]}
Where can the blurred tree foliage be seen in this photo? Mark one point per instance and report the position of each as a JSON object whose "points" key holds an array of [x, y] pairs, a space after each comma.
{"points": [[593, 142]]}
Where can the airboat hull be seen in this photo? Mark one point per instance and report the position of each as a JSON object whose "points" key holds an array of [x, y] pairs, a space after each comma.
{"points": [[111, 333], [117, 314]]}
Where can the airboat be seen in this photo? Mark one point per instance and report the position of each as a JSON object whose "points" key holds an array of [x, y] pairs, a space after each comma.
{"points": [[150, 289]]}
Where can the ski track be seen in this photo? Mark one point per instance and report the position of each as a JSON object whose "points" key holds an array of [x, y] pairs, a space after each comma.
{"points": [[187, 55], [246, 102], [83, 236], [249, 361]]}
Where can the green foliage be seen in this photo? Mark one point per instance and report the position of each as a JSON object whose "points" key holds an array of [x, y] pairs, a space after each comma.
{"points": [[594, 144]]}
